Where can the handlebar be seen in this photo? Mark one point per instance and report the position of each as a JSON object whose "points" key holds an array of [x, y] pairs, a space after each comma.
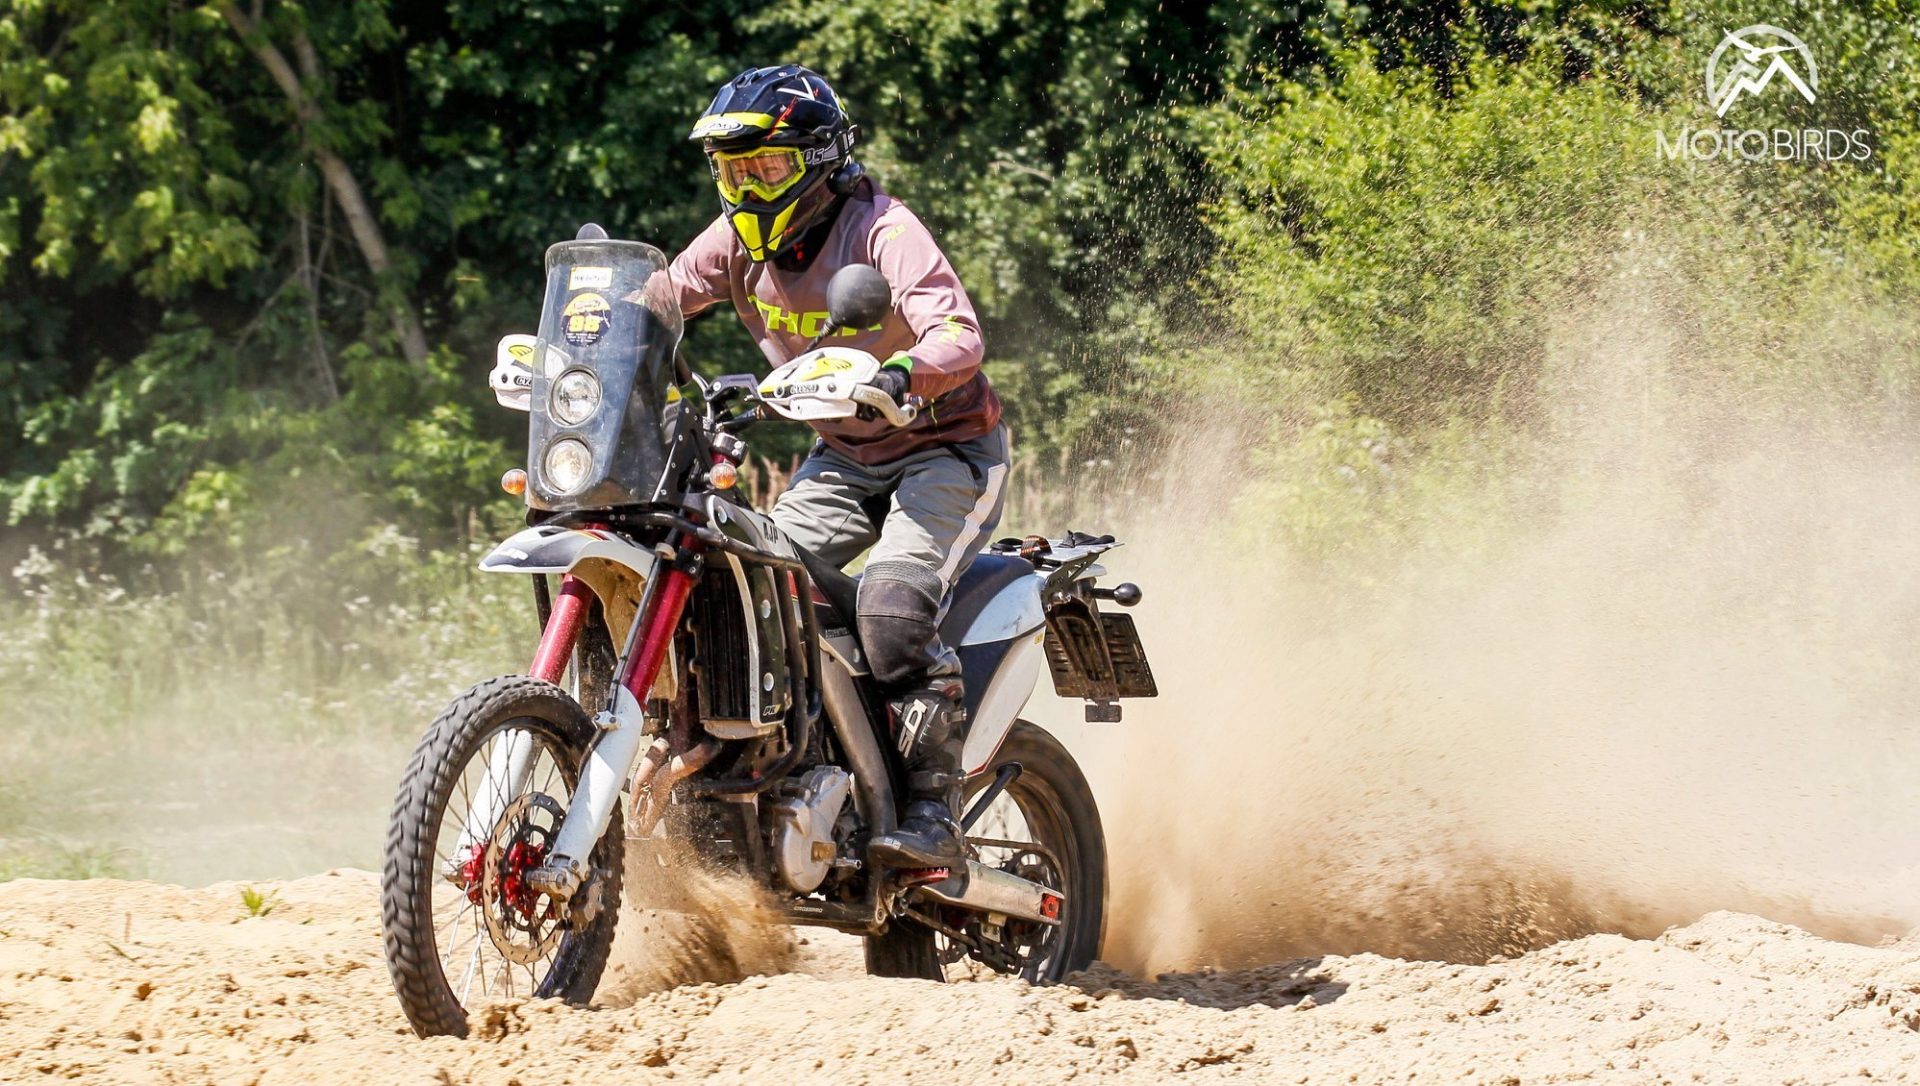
{"points": [[896, 413]]}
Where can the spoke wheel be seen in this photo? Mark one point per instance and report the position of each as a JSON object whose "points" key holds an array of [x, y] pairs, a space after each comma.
{"points": [[481, 803], [1044, 827]]}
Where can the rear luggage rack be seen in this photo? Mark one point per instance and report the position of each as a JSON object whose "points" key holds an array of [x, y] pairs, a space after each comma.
{"points": [[1047, 553]]}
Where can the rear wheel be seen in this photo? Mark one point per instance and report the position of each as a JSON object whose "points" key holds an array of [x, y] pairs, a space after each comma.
{"points": [[1044, 827], [479, 807]]}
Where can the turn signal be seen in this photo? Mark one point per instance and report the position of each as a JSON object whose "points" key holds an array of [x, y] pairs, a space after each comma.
{"points": [[514, 481], [723, 475]]}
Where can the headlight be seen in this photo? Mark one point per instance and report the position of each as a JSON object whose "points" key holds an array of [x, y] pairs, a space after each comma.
{"points": [[567, 464], [576, 396]]}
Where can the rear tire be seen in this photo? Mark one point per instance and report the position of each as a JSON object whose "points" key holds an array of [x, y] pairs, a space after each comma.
{"points": [[417, 853], [1052, 792]]}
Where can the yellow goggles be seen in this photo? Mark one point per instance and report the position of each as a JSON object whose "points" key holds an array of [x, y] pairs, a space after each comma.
{"points": [[767, 172]]}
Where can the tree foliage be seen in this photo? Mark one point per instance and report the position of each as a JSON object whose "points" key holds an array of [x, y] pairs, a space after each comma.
{"points": [[199, 334]]}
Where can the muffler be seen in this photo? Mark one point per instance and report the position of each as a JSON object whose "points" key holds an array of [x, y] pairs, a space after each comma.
{"points": [[991, 890]]}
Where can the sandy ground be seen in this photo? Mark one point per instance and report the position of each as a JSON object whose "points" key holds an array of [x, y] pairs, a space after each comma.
{"points": [[136, 982]]}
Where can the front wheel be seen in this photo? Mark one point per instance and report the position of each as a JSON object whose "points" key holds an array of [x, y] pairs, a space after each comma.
{"points": [[479, 807], [1044, 827]]}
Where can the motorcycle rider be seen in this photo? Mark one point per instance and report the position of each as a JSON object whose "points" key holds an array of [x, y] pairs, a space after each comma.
{"points": [[797, 207]]}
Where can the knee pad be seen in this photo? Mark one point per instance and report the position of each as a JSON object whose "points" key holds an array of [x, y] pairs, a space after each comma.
{"points": [[899, 614]]}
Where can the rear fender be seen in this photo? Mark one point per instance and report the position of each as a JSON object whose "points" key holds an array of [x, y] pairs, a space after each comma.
{"points": [[1020, 607]]}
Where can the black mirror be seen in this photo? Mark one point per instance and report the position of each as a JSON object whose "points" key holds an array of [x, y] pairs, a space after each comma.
{"points": [[858, 297]]}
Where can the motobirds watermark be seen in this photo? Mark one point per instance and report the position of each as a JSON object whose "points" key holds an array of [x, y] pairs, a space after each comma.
{"points": [[1747, 63]]}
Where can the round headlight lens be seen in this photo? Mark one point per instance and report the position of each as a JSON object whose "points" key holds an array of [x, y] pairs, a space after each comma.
{"points": [[567, 463], [576, 396]]}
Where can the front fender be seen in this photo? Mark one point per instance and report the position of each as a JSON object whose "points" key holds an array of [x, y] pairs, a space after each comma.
{"points": [[616, 569], [549, 548]]}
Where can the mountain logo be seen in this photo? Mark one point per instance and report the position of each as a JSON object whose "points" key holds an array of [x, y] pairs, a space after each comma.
{"points": [[1761, 53]]}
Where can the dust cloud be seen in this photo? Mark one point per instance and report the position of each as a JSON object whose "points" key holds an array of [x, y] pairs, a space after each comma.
{"points": [[1675, 674], [683, 923]]}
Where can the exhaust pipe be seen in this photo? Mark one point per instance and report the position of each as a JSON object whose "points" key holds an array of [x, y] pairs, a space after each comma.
{"points": [[991, 890]]}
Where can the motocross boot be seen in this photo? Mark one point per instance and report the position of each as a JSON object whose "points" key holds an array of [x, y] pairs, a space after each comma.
{"points": [[933, 721]]}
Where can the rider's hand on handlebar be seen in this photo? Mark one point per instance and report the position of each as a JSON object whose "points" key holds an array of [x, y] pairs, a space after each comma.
{"points": [[892, 380]]}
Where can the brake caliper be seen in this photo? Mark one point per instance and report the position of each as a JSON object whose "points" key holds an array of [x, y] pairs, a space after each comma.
{"points": [[470, 874], [521, 858]]}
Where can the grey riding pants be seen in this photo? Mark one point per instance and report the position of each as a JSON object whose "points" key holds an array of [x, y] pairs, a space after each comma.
{"points": [[925, 516]]}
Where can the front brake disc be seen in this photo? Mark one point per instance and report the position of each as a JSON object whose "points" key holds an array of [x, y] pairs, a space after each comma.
{"points": [[519, 844]]}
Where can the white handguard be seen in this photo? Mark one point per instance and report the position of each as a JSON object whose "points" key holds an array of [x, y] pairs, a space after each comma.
{"points": [[512, 376], [830, 383]]}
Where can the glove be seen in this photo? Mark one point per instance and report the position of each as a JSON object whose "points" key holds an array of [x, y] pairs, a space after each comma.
{"points": [[893, 380]]}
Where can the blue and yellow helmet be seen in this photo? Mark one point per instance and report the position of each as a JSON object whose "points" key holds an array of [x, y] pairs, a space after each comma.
{"points": [[775, 138]]}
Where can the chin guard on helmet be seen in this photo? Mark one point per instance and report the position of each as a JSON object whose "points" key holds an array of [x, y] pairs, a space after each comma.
{"points": [[780, 146]]}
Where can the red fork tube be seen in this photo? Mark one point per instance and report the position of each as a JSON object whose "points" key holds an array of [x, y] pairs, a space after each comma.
{"points": [[661, 619], [563, 629]]}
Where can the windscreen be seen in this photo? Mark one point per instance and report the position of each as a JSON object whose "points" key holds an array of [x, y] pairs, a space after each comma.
{"points": [[603, 395]]}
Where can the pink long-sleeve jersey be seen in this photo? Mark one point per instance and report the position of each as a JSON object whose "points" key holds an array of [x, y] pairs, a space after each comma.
{"points": [[932, 321]]}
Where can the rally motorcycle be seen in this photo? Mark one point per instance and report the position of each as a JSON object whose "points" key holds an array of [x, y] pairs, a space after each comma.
{"points": [[699, 693]]}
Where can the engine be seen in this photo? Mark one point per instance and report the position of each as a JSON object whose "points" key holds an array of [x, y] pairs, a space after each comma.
{"points": [[803, 827]]}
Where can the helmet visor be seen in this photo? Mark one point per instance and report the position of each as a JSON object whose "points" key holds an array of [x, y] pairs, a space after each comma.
{"points": [[766, 172]]}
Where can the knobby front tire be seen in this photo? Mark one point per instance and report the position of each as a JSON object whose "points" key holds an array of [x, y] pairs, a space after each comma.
{"points": [[429, 920]]}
